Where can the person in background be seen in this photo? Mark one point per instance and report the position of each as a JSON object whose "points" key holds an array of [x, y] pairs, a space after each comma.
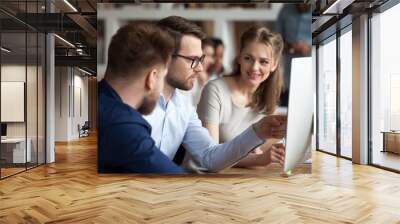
{"points": [[138, 59], [230, 104], [294, 25], [207, 46], [176, 123], [209, 60], [217, 69]]}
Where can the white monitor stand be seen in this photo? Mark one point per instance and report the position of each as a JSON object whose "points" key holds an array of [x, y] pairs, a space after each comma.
{"points": [[300, 113]]}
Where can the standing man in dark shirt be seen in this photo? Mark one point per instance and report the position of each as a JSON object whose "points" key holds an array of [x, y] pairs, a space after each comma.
{"points": [[294, 24], [138, 59]]}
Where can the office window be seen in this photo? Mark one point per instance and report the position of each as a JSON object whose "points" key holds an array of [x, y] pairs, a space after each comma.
{"points": [[327, 96], [346, 93], [22, 93], [385, 89], [13, 86]]}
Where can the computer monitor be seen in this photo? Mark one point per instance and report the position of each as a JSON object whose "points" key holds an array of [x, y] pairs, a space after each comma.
{"points": [[300, 113], [3, 129]]}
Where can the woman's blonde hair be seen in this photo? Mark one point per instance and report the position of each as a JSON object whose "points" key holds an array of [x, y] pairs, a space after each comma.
{"points": [[266, 96]]}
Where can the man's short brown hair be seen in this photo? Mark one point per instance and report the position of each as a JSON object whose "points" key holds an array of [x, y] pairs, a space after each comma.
{"points": [[138, 46], [178, 26]]}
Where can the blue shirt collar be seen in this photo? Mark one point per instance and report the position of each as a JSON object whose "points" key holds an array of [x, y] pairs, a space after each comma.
{"points": [[176, 99]]}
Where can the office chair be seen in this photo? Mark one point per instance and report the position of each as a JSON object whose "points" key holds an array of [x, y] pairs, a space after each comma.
{"points": [[84, 130]]}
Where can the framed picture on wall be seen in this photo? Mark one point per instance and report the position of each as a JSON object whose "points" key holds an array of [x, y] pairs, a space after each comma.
{"points": [[12, 101]]}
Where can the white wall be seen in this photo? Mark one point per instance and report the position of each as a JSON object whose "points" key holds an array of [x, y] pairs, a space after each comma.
{"points": [[17, 73], [33, 126], [12, 100], [14, 73], [80, 84], [70, 83], [62, 81]]}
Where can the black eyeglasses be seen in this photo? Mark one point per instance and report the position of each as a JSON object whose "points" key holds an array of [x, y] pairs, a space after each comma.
{"points": [[195, 60]]}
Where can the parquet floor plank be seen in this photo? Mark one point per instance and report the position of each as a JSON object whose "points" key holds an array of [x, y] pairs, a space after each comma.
{"points": [[71, 191]]}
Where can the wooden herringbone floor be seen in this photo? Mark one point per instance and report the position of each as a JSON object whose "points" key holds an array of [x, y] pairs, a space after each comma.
{"points": [[70, 191]]}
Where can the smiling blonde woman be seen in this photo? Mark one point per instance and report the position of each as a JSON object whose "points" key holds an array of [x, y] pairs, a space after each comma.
{"points": [[230, 104]]}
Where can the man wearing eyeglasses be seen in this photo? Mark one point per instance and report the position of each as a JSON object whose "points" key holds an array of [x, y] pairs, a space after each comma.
{"points": [[175, 121]]}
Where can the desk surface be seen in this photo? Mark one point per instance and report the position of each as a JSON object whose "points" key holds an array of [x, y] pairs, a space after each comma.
{"points": [[390, 132], [13, 140], [272, 170]]}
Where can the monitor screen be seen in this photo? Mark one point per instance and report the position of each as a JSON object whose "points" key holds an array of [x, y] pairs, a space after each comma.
{"points": [[300, 113], [3, 129]]}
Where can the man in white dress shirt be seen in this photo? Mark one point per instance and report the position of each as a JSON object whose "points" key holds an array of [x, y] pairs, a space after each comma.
{"points": [[174, 120]]}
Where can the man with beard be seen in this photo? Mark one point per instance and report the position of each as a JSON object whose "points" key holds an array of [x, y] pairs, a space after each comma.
{"points": [[175, 121], [138, 59]]}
